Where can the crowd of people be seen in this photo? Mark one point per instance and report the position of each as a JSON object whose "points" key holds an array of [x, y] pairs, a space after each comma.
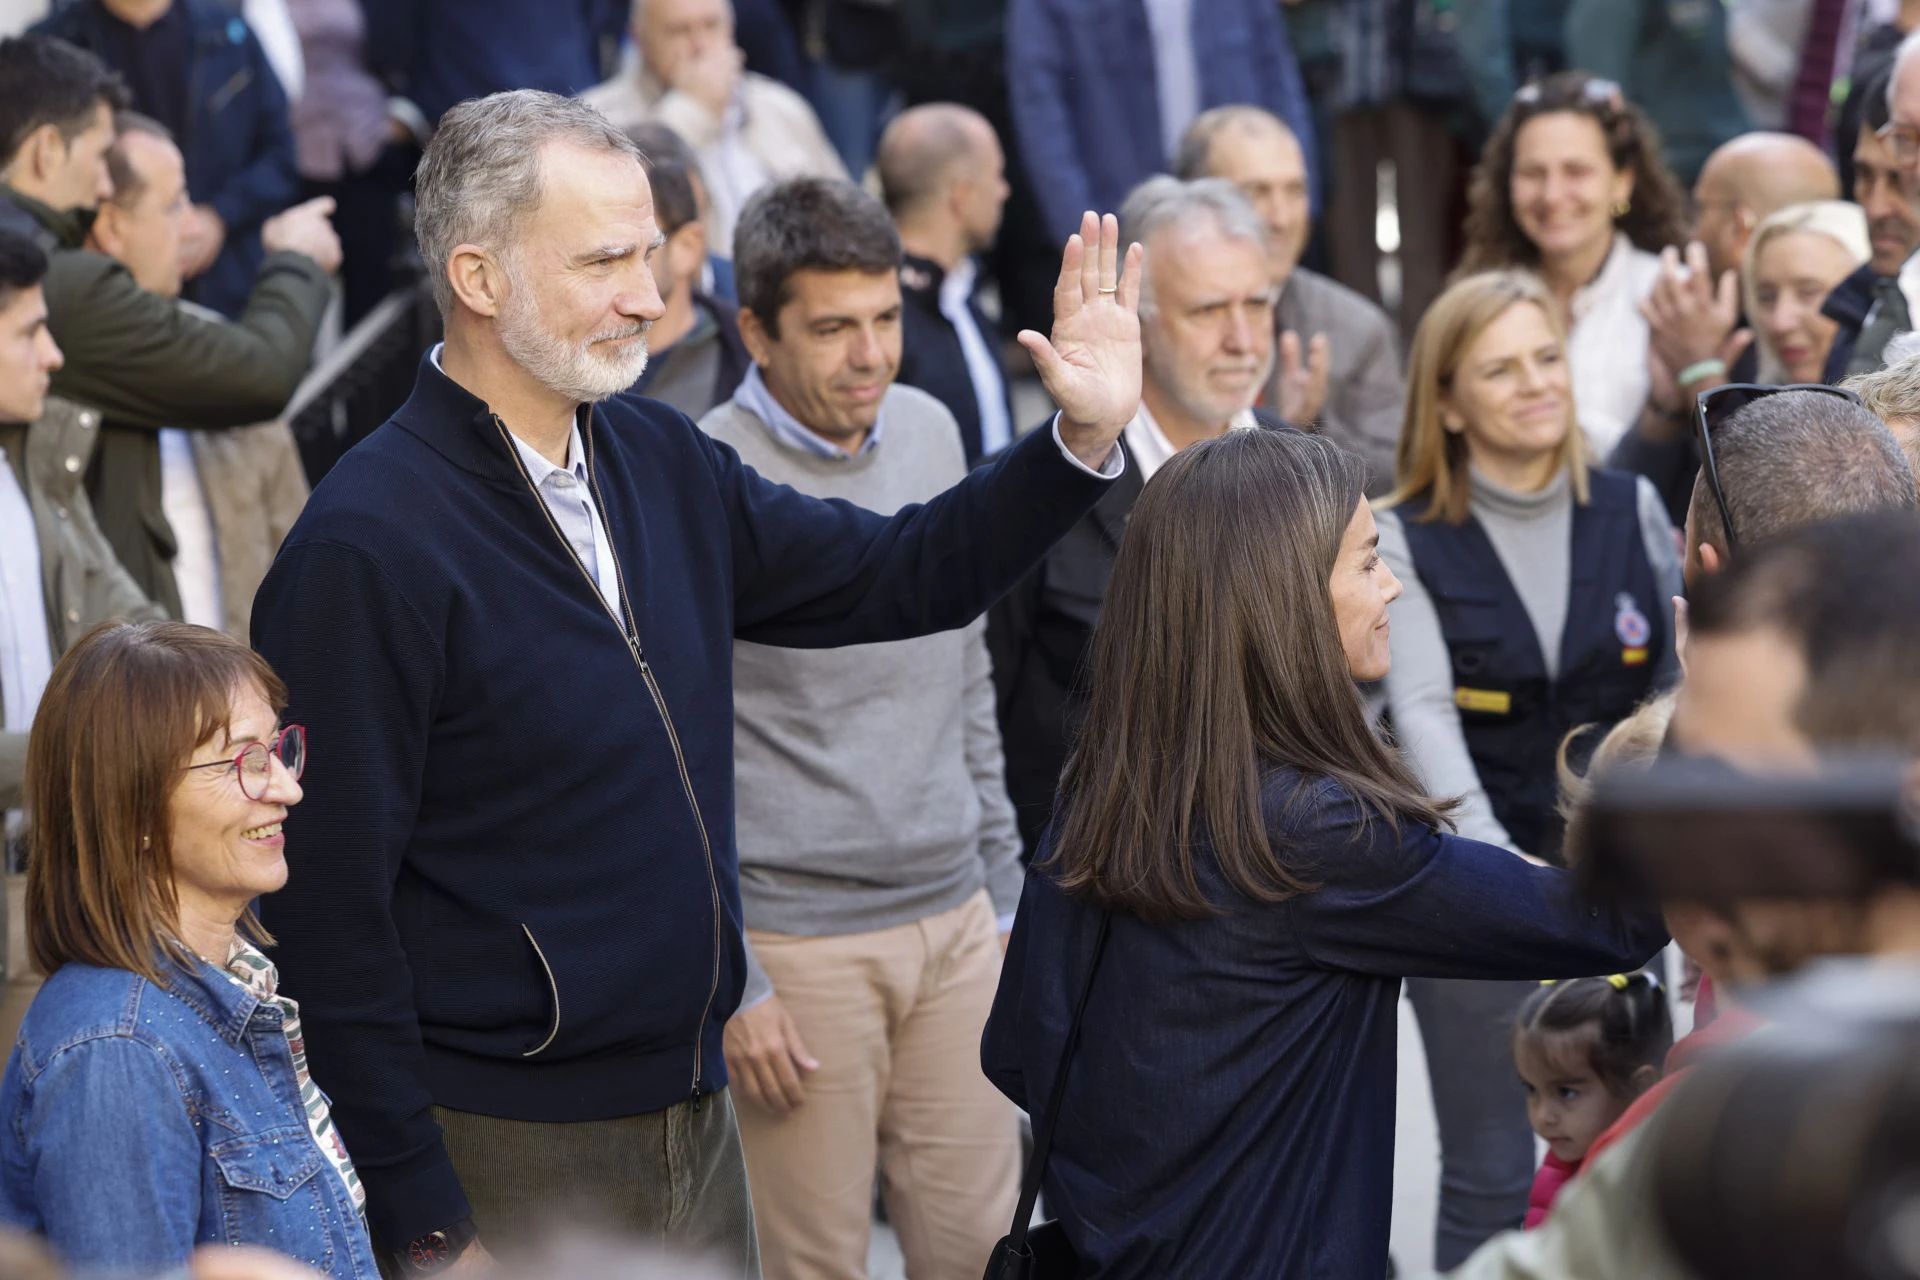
{"points": [[803, 682]]}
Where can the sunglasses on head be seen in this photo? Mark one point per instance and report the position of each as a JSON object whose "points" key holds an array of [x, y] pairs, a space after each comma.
{"points": [[1713, 408], [1595, 92]]}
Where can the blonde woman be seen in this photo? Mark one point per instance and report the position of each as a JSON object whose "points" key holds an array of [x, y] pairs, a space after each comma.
{"points": [[1537, 599], [1795, 259]]}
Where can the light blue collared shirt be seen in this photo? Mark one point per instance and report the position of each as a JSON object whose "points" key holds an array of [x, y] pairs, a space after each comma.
{"points": [[753, 396]]}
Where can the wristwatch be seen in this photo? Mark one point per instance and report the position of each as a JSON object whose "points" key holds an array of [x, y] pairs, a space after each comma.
{"points": [[436, 1250]]}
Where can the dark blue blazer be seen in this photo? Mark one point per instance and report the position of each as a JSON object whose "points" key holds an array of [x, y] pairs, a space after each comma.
{"points": [[1086, 106], [238, 143], [1230, 1109]]}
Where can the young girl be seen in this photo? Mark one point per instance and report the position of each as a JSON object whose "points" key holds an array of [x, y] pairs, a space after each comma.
{"points": [[1585, 1048]]}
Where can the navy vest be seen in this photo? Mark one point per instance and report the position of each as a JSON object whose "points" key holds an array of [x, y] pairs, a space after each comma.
{"points": [[1515, 718]]}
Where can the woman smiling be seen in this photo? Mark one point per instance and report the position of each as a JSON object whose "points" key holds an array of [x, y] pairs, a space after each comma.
{"points": [[1793, 262], [1571, 186], [1536, 601], [158, 1096]]}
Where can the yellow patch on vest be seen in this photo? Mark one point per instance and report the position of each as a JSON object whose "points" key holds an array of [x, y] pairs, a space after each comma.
{"points": [[1492, 701]]}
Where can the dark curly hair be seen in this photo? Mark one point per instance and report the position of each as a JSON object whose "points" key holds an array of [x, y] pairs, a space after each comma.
{"points": [[1657, 217]]}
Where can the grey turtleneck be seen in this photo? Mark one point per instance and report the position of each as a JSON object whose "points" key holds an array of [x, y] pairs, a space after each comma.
{"points": [[1532, 533]]}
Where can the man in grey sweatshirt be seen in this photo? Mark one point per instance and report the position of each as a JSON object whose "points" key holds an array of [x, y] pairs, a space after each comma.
{"points": [[879, 858]]}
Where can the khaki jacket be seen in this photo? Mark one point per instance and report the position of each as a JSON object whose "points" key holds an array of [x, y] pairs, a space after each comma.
{"points": [[255, 487], [82, 582]]}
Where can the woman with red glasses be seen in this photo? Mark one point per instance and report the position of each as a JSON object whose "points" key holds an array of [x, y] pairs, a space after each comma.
{"points": [[158, 1098]]}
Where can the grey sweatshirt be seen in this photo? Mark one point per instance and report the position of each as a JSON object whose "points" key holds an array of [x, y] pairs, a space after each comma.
{"points": [[1532, 533], [871, 790]]}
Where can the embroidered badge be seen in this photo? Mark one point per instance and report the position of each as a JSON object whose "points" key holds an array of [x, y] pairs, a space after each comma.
{"points": [[1496, 702], [1633, 629]]}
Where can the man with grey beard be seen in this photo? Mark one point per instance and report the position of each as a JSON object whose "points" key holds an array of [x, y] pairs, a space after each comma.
{"points": [[507, 621], [1207, 337]]}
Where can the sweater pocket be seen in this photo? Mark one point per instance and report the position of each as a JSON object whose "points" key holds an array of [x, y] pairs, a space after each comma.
{"points": [[553, 991]]}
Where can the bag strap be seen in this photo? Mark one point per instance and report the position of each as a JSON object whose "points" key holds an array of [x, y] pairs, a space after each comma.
{"points": [[1043, 1137]]}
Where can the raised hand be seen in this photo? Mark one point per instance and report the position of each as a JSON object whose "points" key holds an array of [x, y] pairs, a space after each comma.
{"points": [[1691, 317], [1090, 364], [1303, 379]]}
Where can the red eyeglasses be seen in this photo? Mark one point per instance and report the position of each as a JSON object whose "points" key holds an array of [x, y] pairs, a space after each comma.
{"points": [[254, 764]]}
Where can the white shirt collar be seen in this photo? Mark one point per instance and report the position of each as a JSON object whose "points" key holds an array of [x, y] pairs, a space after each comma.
{"points": [[1150, 447], [1615, 276]]}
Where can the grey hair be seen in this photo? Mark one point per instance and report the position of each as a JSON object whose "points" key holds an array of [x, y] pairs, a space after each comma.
{"points": [[1193, 158], [1204, 204], [1892, 394], [1909, 47], [480, 179], [1797, 458]]}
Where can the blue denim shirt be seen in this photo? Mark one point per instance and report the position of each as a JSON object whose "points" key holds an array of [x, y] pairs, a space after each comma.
{"points": [[138, 1122]]}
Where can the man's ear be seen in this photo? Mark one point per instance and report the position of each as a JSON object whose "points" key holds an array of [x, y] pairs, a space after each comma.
{"points": [[1643, 1079], [754, 335], [1711, 560], [41, 154], [477, 280], [105, 235], [689, 245]]}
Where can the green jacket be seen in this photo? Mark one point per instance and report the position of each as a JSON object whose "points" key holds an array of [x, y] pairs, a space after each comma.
{"points": [[145, 363], [82, 582]]}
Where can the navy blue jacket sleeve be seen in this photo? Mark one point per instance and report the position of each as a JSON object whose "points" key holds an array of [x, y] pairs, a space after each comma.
{"points": [[1426, 904], [366, 694], [813, 573], [1038, 77], [269, 180]]}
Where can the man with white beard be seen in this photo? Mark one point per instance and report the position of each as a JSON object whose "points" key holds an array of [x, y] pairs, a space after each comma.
{"points": [[1207, 334], [506, 620]]}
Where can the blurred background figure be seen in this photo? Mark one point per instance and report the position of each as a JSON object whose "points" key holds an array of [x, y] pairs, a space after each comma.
{"points": [[943, 177], [1102, 91], [197, 68], [355, 143], [1795, 259], [695, 356], [1338, 365], [687, 72], [1672, 61], [1572, 186], [1869, 306]]}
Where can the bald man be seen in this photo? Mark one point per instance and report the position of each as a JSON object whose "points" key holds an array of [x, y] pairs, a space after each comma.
{"points": [[1745, 180], [1337, 365], [943, 176]]}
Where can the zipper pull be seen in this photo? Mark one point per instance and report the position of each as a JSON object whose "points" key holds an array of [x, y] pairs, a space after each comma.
{"points": [[696, 1097]]}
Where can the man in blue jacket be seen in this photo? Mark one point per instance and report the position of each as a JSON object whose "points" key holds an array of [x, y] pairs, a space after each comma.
{"points": [[1103, 89], [196, 67], [507, 619]]}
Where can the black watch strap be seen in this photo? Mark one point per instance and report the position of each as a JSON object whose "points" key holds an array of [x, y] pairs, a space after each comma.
{"points": [[437, 1250]]}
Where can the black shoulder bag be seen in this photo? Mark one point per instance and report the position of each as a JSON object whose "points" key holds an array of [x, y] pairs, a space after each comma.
{"points": [[1044, 1253]]}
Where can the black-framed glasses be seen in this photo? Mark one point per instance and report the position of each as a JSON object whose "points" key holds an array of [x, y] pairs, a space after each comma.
{"points": [[1713, 407], [254, 763]]}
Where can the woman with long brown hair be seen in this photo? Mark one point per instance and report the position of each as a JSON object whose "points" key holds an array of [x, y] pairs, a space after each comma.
{"points": [[1571, 186], [1256, 870]]}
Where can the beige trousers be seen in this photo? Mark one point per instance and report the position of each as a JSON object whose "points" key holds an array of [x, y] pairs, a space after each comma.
{"points": [[894, 1019]]}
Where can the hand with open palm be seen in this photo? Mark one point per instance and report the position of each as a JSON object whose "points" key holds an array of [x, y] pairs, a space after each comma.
{"points": [[1090, 364]]}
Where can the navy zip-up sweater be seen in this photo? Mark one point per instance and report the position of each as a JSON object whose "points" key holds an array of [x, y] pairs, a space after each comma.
{"points": [[513, 884]]}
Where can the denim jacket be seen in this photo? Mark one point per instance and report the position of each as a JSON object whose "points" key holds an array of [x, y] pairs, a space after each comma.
{"points": [[138, 1122]]}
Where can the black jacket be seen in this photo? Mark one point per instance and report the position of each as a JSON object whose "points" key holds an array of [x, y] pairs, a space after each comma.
{"points": [[931, 357], [1847, 306]]}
